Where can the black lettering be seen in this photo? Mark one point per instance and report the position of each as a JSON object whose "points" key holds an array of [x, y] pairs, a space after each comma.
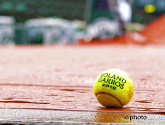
{"points": [[103, 84], [109, 75], [114, 88], [113, 77], [117, 84], [121, 86], [135, 117], [108, 80], [145, 117], [124, 81], [105, 74], [141, 117], [112, 81], [100, 79], [138, 117], [119, 78], [126, 117], [131, 117], [107, 85], [104, 79]]}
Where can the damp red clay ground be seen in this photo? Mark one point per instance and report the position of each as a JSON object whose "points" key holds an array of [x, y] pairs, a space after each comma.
{"points": [[61, 78]]}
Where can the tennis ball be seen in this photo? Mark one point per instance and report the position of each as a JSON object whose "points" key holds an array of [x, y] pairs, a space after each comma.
{"points": [[113, 88]]}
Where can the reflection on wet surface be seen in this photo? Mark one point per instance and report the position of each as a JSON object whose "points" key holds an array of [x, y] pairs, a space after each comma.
{"points": [[112, 117]]}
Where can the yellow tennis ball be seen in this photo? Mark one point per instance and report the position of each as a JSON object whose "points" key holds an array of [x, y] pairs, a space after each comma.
{"points": [[113, 88], [150, 8]]}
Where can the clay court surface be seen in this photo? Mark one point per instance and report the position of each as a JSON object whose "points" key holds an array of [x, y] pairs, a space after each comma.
{"points": [[58, 80]]}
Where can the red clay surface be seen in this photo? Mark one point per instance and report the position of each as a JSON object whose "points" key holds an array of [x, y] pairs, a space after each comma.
{"points": [[62, 77], [153, 33]]}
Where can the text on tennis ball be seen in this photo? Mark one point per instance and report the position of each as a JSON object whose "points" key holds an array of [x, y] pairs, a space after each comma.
{"points": [[112, 81]]}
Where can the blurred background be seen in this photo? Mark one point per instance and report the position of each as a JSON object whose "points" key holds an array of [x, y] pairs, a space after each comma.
{"points": [[68, 21]]}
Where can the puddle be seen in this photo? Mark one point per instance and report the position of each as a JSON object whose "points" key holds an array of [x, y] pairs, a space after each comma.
{"points": [[66, 101], [10, 98], [82, 92], [67, 89], [52, 95], [144, 101]]}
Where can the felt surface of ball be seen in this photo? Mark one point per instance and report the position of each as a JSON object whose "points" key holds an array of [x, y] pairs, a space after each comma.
{"points": [[113, 88]]}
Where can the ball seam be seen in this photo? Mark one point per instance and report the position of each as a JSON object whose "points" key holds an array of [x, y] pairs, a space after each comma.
{"points": [[111, 96]]}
